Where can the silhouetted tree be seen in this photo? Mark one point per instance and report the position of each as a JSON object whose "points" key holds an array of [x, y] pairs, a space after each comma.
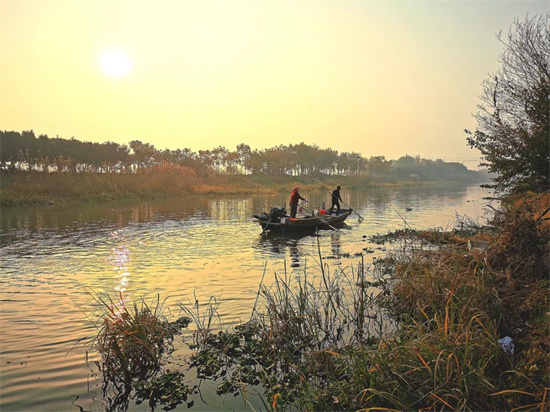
{"points": [[244, 152], [513, 121]]}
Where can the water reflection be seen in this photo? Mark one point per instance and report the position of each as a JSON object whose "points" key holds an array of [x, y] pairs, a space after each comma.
{"points": [[295, 247], [336, 247], [230, 209], [284, 245], [37, 222], [120, 260]]}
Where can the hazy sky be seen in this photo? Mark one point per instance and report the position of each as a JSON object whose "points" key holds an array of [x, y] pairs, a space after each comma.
{"points": [[376, 77]]}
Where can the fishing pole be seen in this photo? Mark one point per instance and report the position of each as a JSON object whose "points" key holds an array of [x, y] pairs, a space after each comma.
{"points": [[266, 227], [324, 188]]}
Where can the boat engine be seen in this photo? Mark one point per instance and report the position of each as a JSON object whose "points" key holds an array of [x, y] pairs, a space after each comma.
{"points": [[276, 213]]}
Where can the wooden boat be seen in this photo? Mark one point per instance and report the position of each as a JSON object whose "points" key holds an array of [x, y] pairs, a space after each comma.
{"points": [[278, 220]]}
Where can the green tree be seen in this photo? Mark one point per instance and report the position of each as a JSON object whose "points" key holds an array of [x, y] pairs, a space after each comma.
{"points": [[513, 121], [244, 152], [144, 153]]}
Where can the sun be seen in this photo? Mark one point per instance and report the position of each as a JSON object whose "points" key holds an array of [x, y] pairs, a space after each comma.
{"points": [[115, 64]]}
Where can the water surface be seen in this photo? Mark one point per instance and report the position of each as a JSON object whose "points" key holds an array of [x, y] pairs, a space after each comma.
{"points": [[52, 257]]}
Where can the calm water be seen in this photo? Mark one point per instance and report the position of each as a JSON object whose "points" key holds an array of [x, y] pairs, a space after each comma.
{"points": [[51, 257]]}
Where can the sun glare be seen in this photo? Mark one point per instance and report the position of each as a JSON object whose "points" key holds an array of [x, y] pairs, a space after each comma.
{"points": [[115, 64]]}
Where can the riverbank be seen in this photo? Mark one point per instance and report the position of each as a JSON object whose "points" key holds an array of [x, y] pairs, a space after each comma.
{"points": [[33, 188], [461, 323], [446, 320]]}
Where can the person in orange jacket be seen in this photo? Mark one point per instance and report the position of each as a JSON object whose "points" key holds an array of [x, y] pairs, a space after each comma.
{"points": [[294, 199]]}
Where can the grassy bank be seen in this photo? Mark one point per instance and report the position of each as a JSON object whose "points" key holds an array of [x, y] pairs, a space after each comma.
{"points": [[426, 327], [26, 188], [424, 335]]}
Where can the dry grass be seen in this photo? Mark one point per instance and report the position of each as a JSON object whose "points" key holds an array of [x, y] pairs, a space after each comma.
{"points": [[429, 341]]}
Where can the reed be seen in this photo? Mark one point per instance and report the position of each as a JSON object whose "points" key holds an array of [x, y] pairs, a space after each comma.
{"points": [[135, 344], [160, 181], [417, 330], [292, 337], [163, 180], [453, 300]]}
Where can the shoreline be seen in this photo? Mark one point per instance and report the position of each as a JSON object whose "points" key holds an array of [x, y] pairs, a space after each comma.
{"points": [[28, 189]]}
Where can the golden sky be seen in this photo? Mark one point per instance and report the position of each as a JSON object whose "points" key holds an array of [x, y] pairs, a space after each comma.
{"points": [[376, 77]]}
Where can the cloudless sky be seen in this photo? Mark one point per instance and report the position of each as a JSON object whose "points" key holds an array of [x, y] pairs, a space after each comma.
{"points": [[376, 77]]}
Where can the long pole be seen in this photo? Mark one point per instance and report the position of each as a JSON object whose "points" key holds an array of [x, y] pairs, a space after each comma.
{"points": [[266, 227], [360, 217]]}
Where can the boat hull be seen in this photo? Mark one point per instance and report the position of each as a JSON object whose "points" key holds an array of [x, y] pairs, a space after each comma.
{"points": [[302, 224]]}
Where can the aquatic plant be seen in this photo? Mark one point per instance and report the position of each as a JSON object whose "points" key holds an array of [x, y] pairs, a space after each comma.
{"points": [[291, 338], [135, 344], [417, 330]]}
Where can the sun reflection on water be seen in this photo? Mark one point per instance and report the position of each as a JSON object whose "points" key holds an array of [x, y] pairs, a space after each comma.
{"points": [[120, 259]]}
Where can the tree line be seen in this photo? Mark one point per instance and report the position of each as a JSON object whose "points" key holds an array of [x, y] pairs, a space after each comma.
{"points": [[27, 152]]}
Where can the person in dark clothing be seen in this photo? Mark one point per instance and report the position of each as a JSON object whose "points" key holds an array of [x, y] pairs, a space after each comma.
{"points": [[335, 200], [294, 199]]}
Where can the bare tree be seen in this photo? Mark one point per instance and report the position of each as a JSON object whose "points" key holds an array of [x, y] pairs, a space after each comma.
{"points": [[513, 121]]}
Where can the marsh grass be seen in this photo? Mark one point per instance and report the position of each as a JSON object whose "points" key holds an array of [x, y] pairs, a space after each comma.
{"points": [[416, 330], [292, 337], [454, 301], [160, 181], [134, 344], [163, 180], [203, 316]]}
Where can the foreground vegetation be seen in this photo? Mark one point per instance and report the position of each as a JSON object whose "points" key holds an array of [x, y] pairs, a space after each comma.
{"points": [[424, 327]]}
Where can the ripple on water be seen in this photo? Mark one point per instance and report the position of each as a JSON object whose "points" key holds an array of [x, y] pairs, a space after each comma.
{"points": [[179, 252]]}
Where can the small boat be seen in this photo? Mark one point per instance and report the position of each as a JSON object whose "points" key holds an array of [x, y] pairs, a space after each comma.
{"points": [[278, 220]]}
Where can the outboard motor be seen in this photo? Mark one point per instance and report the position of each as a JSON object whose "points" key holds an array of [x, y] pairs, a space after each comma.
{"points": [[276, 213]]}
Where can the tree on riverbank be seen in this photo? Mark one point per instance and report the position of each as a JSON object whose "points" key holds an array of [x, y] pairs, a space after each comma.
{"points": [[513, 130], [24, 152]]}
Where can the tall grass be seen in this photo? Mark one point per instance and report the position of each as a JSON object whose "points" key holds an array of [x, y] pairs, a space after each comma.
{"points": [[418, 329], [163, 180], [134, 344], [426, 339], [293, 337]]}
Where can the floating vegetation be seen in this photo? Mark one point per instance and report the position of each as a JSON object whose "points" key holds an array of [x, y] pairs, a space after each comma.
{"points": [[292, 337], [135, 344]]}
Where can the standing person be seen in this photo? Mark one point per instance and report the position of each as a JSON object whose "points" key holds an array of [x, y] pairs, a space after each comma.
{"points": [[335, 200], [294, 199]]}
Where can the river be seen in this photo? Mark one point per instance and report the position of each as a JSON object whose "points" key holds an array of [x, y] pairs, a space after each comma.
{"points": [[54, 258]]}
